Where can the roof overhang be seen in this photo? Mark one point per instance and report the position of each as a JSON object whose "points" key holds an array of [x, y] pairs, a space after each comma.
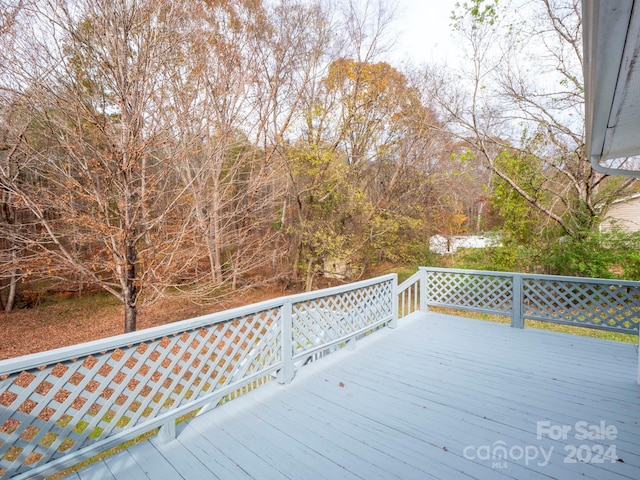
{"points": [[611, 34]]}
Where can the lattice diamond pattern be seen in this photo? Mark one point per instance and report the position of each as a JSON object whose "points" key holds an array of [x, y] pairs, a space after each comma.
{"points": [[53, 410], [323, 321], [603, 305], [483, 292]]}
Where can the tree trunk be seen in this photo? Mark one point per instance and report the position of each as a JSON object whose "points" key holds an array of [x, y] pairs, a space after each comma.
{"points": [[11, 296], [308, 284], [130, 318], [215, 229], [131, 289], [297, 247]]}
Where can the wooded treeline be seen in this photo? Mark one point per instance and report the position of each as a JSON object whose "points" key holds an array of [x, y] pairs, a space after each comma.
{"points": [[150, 147]]}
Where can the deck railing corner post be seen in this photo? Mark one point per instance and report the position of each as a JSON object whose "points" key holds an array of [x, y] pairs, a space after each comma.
{"points": [[424, 279], [517, 321], [285, 375], [393, 323]]}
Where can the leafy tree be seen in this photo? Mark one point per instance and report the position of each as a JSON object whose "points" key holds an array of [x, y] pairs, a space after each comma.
{"points": [[522, 223], [389, 139], [600, 255], [216, 114], [326, 208]]}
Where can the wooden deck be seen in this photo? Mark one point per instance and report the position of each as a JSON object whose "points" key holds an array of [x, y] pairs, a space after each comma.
{"points": [[432, 399]]}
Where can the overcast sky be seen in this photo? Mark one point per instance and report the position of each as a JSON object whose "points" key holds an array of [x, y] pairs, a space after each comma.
{"points": [[424, 28]]}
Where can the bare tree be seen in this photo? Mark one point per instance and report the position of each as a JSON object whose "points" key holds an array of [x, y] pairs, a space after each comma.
{"points": [[522, 92], [156, 145], [248, 67], [94, 76], [11, 131]]}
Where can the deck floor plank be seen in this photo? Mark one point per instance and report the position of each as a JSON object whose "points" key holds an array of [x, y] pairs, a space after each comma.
{"points": [[442, 430], [453, 420], [294, 458], [217, 437], [128, 462], [222, 453], [97, 470], [330, 440], [356, 436], [409, 403], [510, 394], [156, 465]]}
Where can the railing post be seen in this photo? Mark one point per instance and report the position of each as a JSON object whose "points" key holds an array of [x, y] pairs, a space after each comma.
{"points": [[285, 375], [394, 303], [424, 278], [167, 432], [516, 307]]}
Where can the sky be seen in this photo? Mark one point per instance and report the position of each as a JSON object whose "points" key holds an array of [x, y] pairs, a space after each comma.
{"points": [[425, 34]]}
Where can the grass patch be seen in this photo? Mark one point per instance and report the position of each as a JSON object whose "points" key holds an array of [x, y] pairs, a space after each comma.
{"points": [[583, 331], [487, 317], [404, 273], [59, 309], [80, 427]]}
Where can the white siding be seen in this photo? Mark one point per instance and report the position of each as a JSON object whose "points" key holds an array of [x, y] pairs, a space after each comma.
{"points": [[624, 214], [447, 245]]}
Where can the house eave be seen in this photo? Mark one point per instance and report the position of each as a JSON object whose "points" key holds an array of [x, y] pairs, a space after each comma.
{"points": [[611, 33]]}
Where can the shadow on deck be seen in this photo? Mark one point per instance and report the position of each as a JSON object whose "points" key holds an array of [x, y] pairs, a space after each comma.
{"points": [[439, 397]]}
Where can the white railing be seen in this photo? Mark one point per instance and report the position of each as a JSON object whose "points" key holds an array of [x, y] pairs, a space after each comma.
{"points": [[612, 305], [411, 294], [61, 407]]}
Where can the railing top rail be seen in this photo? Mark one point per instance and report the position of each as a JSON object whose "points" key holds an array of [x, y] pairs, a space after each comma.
{"points": [[600, 281], [536, 276], [325, 292], [408, 282], [466, 271], [62, 354]]}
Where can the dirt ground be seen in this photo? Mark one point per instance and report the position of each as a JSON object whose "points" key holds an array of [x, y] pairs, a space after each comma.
{"points": [[64, 323], [67, 323]]}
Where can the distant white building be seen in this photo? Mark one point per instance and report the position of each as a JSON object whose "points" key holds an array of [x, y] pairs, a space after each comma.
{"points": [[624, 214], [447, 245]]}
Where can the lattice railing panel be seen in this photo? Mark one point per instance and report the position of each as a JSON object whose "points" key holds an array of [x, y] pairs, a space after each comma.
{"points": [[324, 321], [604, 305], [59, 407], [485, 292], [53, 410]]}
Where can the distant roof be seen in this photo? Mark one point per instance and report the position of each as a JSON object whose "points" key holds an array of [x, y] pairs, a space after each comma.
{"points": [[611, 33], [626, 199]]}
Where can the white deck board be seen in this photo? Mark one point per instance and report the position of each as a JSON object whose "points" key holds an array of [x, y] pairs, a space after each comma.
{"points": [[406, 403]]}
